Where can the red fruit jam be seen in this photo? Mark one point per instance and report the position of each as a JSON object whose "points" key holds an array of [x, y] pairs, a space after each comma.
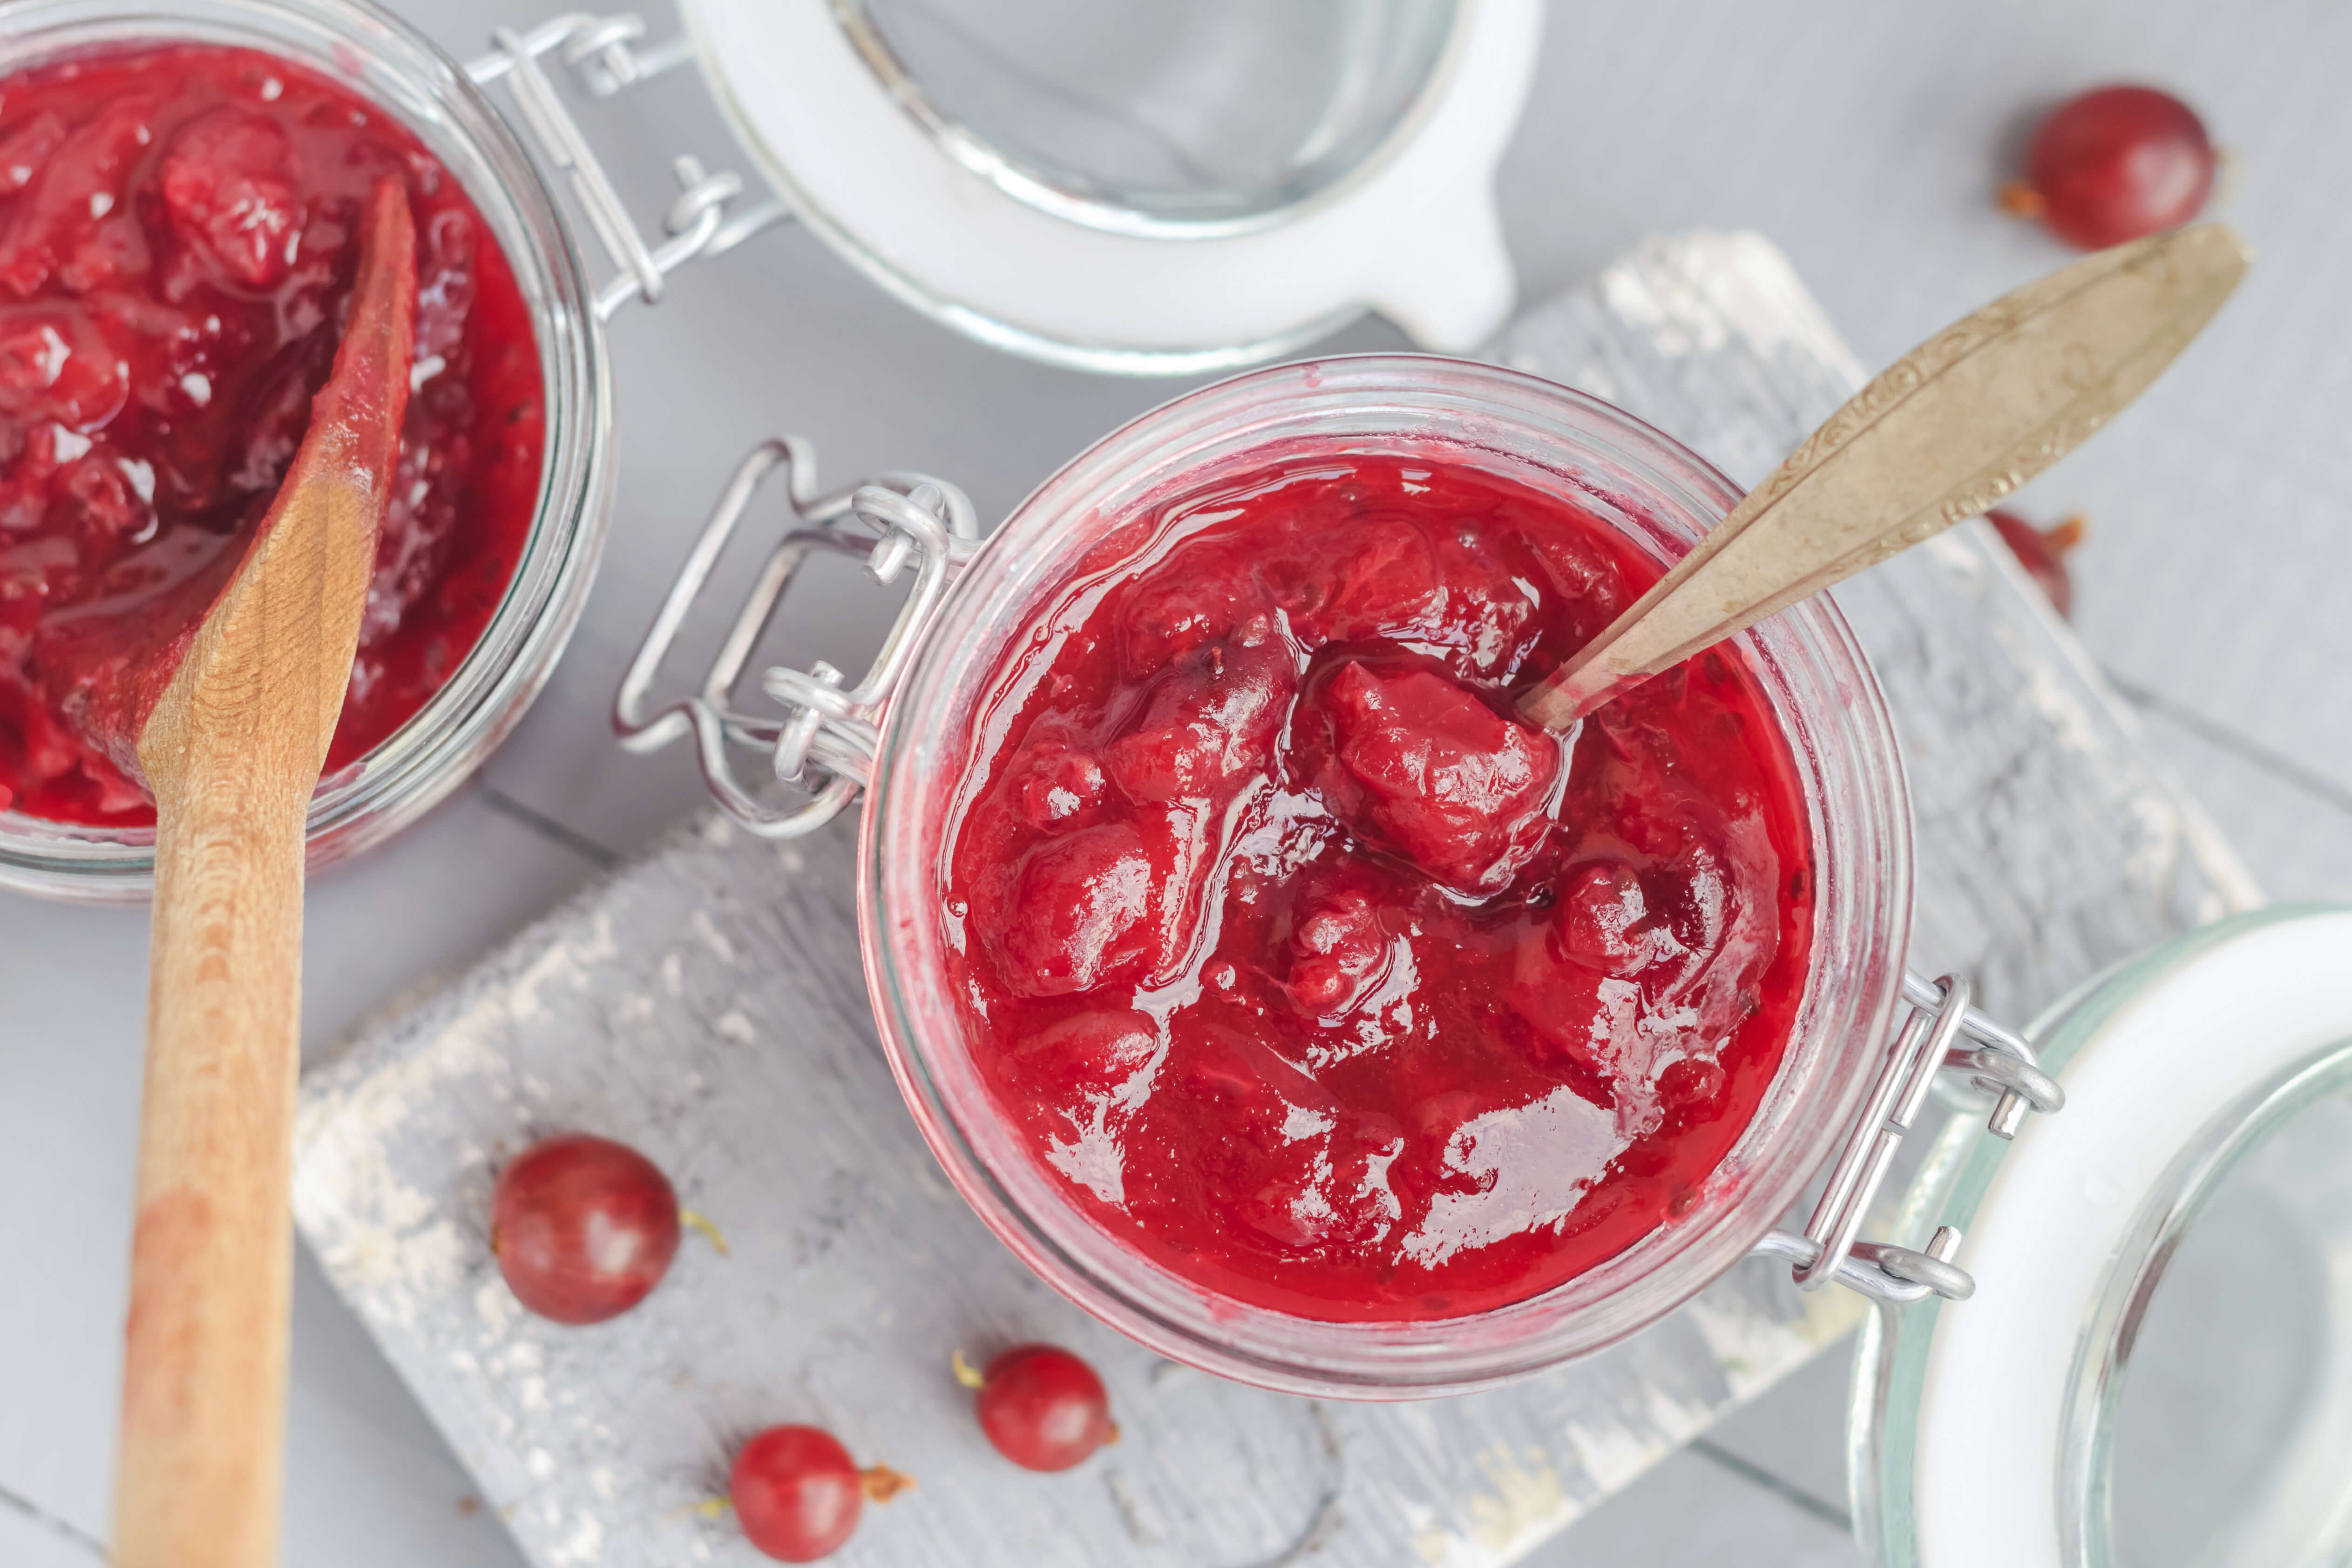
{"points": [[178, 241], [1319, 978]]}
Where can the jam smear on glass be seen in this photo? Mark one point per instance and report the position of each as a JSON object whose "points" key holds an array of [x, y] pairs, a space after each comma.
{"points": [[178, 244], [1316, 976]]}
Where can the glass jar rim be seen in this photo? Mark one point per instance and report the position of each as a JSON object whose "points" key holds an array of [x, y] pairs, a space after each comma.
{"points": [[1664, 496], [1045, 184], [2291, 1054], [382, 58]]}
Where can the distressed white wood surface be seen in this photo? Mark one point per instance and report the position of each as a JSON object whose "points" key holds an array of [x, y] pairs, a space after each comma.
{"points": [[705, 1004]]}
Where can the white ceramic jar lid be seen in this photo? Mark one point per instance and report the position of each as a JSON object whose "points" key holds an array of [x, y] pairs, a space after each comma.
{"points": [[1995, 1418], [1383, 201]]}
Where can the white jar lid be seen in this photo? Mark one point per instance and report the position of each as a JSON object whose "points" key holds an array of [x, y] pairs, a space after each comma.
{"points": [[1396, 214], [1993, 1422]]}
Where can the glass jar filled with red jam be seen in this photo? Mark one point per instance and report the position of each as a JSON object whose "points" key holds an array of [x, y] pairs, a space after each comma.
{"points": [[1276, 992], [178, 191]]}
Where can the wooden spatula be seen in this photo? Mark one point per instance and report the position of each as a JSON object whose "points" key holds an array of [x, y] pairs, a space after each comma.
{"points": [[1945, 432], [229, 725]]}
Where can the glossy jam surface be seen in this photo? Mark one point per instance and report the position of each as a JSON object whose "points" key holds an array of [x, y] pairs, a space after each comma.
{"points": [[1316, 977], [178, 239]]}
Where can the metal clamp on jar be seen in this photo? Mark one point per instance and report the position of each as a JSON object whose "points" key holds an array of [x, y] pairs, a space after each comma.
{"points": [[602, 53], [1843, 1099]]}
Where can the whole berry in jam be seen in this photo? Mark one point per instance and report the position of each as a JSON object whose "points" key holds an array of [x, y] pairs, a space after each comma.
{"points": [[1043, 1408], [584, 1228], [2112, 165], [2042, 553], [797, 1493]]}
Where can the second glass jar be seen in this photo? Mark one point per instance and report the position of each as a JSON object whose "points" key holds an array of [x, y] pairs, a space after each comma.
{"points": [[1660, 497]]}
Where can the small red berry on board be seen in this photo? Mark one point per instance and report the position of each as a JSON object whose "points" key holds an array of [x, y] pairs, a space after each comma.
{"points": [[2042, 552], [797, 1493], [1043, 1407], [582, 1227], [2115, 164]]}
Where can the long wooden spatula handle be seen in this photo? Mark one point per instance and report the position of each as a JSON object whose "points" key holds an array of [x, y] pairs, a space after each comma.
{"points": [[232, 747], [204, 1394]]}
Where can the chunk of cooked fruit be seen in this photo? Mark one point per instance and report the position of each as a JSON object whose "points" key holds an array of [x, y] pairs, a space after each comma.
{"points": [[1422, 766], [70, 192], [1387, 585], [1212, 590], [1092, 1051], [1605, 921], [1080, 912], [1337, 951], [228, 184], [57, 364], [1209, 720], [1055, 785]]}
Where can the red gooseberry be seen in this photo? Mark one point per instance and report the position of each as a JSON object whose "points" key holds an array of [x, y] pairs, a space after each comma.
{"points": [[582, 1227], [1041, 1408], [2115, 164], [2042, 553], [797, 1494]]}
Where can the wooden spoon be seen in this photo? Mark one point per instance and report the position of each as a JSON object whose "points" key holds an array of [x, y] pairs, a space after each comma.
{"points": [[1943, 433], [229, 724]]}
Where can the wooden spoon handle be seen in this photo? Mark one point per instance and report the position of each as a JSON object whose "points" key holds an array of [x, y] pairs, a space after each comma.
{"points": [[232, 752], [232, 747], [204, 1391], [1945, 432]]}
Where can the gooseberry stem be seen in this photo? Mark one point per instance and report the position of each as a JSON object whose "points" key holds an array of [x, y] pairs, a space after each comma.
{"points": [[694, 1221], [882, 1483]]}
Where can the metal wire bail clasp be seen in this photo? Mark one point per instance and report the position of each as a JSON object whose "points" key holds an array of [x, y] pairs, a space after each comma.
{"points": [[604, 53], [824, 740], [1941, 1033]]}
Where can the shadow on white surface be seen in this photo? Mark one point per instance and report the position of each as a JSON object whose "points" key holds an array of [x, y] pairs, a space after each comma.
{"points": [[30, 1540], [1693, 1510], [2291, 826], [1795, 1431], [369, 1482]]}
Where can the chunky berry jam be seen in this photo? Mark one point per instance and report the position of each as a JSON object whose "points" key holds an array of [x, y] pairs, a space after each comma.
{"points": [[1318, 978], [178, 238]]}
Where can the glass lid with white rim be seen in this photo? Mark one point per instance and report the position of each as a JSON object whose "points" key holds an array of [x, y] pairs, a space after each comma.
{"points": [[1133, 186], [2156, 1369], [2226, 1434], [1144, 117]]}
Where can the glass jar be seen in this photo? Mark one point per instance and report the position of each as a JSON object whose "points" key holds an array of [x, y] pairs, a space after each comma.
{"points": [[2157, 1368], [1660, 497], [1180, 122], [385, 61], [1132, 187]]}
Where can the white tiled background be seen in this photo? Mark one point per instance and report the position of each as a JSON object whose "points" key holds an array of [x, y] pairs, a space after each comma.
{"points": [[1866, 138]]}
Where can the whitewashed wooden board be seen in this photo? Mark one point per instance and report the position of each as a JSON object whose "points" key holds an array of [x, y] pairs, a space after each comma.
{"points": [[706, 1005]]}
